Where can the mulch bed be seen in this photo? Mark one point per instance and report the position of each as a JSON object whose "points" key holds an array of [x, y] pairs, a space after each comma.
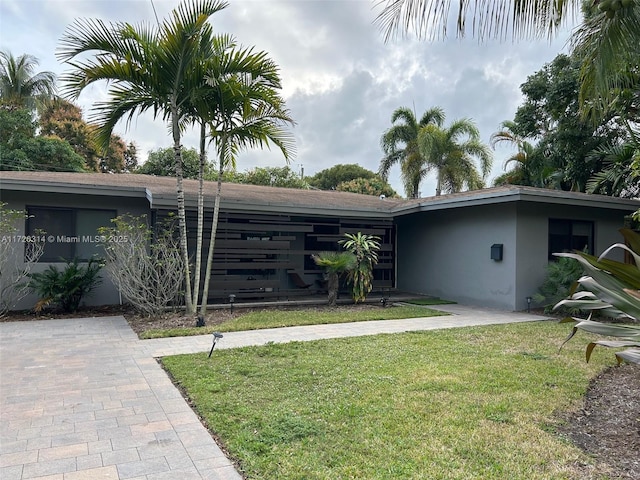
{"points": [[606, 427]]}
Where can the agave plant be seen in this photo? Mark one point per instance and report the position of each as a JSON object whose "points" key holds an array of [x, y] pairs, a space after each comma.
{"points": [[612, 289], [365, 248]]}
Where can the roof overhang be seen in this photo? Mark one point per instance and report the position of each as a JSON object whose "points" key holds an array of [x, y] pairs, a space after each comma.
{"points": [[21, 185], [515, 194]]}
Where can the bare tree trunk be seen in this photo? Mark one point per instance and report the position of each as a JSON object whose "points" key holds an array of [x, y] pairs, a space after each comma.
{"points": [[182, 218], [439, 184], [333, 283], [214, 231], [198, 267]]}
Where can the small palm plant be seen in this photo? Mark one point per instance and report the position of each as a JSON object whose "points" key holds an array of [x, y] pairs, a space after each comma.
{"points": [[365, 248], [66, 288], [335, 264], [611, 288]]}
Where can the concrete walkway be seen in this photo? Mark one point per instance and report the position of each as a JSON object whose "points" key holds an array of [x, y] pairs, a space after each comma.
{"points": [[85, 399]]}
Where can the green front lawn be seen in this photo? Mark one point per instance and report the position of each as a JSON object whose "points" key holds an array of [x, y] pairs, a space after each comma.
{"points": [[468, 403], [275, 318]]}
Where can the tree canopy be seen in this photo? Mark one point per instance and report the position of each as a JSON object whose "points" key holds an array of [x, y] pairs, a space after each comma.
{"points": [[555, 143], [161, 162], [330, 178], [22, 149]]}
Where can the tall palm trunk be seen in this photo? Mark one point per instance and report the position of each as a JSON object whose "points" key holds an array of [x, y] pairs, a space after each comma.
{"points": [[198, 266], [214, 229], [182, 218]]}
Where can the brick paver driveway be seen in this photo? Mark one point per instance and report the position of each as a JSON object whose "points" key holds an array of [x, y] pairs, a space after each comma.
{"points": [[83, 399]]}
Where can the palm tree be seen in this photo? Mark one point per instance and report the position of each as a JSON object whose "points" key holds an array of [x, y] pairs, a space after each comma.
{"points": [[335, 264], [430, 18], [249, 113], [400, 145], [19, 85], [451, 152], [620, 176], [607, 40], [525, 171], [148, 69]]}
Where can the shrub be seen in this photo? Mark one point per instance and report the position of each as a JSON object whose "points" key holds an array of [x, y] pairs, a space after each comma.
{"points": [[68, 287], [560, 281], [13, 270], [148, 273]]}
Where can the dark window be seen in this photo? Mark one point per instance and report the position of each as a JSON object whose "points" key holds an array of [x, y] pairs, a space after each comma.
{"points": [[70, 233], [570, 235]]}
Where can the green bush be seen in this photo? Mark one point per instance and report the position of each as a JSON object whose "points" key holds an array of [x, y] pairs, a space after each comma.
{"points": [[561, 276], [65, 288]]}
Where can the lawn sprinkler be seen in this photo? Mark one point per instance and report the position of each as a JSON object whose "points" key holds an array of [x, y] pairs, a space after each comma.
{"points": [[216, 337], [384, 300]]}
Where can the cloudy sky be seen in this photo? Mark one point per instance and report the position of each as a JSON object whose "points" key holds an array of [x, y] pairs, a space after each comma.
{"points": [[340, 79]]}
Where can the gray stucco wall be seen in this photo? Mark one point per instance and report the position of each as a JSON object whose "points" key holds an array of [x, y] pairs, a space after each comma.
{"points": [[106, 293], [533, 234], [447, 253]]}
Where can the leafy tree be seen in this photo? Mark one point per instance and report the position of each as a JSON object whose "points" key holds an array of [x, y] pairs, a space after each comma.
{"points": [[19, 85], [451, 152], [161, 162], [63, 119], [335, 264], [21, 149], [368, 186], [400, 145], [272, 176], [365, 249], [112, 159], [42, 154], [148, 69], [330, 178], [16, 125], [131, 158], [550, 115]]}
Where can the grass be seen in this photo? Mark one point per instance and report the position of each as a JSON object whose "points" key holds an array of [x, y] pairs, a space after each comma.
{"points": [[275, 318], [470, 403]]}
